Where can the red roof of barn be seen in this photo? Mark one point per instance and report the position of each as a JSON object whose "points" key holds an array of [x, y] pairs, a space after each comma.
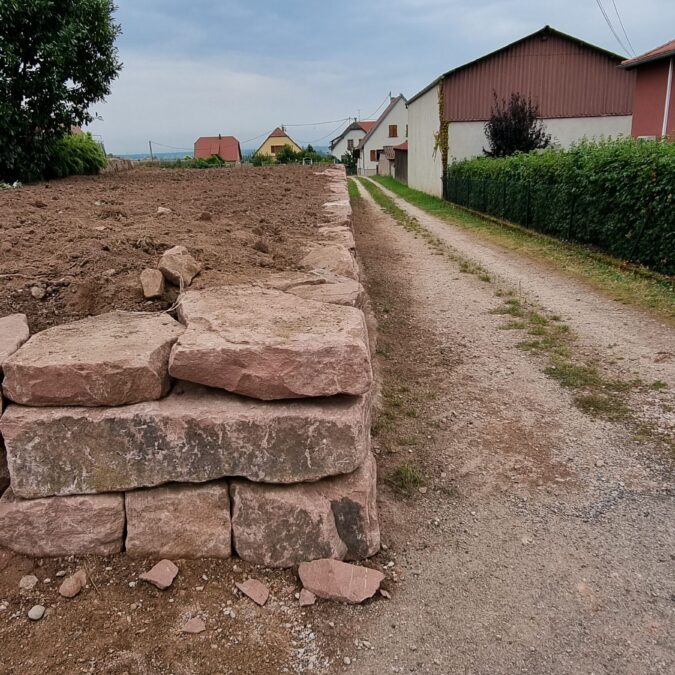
{"points": [[656, 54], [226, 147]]}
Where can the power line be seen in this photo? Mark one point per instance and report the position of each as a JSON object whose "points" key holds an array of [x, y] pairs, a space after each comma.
{"points": [[330, 134], [611, 27], [372, 115], [173, 147], [618, 16], [316, 124], [255, 138]]}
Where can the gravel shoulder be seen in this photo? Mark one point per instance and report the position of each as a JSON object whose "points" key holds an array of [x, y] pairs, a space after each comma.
{"points": [[542, 539]]}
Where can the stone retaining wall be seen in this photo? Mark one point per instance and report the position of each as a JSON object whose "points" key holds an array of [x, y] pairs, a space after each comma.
{"points": [[243, 425]]}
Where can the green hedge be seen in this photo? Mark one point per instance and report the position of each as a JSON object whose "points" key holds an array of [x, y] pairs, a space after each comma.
{"points": [[616, 195], [75, 155]]}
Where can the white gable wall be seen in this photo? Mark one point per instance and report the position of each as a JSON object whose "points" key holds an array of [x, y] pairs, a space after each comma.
{"points": [[425, 166], [398, 115], [341, 147]]}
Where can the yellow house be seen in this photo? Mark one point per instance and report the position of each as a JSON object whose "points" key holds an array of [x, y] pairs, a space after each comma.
{"points": [[275, 141]]}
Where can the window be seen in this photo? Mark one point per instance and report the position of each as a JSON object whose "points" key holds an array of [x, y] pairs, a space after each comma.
{"points": [[393, 130], [276, 148], [373, 155], [406, 131], [350, 144]]}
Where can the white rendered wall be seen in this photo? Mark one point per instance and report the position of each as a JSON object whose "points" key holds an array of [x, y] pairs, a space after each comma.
{"points": [[467, 139], [424, 163], [397, 115], [341, 147]]}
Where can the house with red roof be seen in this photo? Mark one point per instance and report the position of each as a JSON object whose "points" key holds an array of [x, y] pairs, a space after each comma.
{"points": [[350, 137], [275, 141], [653, 102], [225, 147]]}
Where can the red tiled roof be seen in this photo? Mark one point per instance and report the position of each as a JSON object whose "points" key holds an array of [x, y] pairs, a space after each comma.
{"points": [[367, 125], [278, 133], [403, 146], [656, 54], [226, 147]]}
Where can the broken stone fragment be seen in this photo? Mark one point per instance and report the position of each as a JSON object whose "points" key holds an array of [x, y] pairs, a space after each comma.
{"points": [[194, 626], [179, 267], [193, 435], [28, 582], [336, 580], [332, 258], [268, 345], [281, 526], [255, 590], [161, 575], [106, 360], [307, 598], [152, 282], [318, 285], [13, 333], [73, 584], [61, 526], [179, 521]]}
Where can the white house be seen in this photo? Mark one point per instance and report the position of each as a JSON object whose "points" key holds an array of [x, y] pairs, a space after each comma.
{"points": [[579, 89], [350, 137], [390, 129]]}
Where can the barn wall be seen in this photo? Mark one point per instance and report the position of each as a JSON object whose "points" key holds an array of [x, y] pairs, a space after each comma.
{"points": [[424, 163]]}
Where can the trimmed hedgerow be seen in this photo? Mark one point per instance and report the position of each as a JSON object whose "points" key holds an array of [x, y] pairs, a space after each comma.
{"points": [[617, 195]]}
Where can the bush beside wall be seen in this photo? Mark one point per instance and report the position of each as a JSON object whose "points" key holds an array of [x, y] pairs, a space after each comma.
{"points": [[616, 195], [75, 155]]}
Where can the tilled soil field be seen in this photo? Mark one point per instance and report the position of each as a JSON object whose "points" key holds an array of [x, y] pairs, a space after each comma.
{"points": [[76, 247]]}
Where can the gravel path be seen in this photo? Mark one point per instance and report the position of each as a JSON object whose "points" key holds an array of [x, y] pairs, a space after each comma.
{"points": [[543, 540]]}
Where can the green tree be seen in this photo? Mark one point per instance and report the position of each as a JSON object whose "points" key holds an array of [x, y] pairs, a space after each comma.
{"points": [[56, 59], [515, 126], [288, 156]]}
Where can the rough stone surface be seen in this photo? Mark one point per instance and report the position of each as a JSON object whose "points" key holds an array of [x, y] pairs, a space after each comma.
{"points": [[267, 344], [28, 582], [339, 235], [320, 286], [339, 211], [255, 590], [332, 258], [178, 266], [194, 626], [73, 584], [61, 526], [161, 575], [152, 282], [4, 471], [13, 333], [281, 526], [335, 580], [193, 435], [179, 521], [106, 360], [307, 598], [36, 612]]}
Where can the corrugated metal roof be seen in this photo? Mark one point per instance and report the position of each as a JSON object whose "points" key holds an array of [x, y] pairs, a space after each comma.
{"points": [[226, 147], [564, 76], [656, 54]]}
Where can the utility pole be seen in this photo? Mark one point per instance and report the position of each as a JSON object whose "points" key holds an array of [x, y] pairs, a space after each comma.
{"points": [[151, 155]]}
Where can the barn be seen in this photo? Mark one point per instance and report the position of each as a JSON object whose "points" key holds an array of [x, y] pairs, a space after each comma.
{"points": [[225, 147], [579, 88]]}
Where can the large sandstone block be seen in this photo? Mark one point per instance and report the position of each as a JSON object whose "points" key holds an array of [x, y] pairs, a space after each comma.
{"points": [[178, 266], [268, 345], [195, 436], [319, 286], [281, 526], [61, 526], [106, 360], [179, 521], [13, 333], [332, 258]]}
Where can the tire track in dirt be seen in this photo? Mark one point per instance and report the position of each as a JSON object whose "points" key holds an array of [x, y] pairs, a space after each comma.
{"points": [[543, 540]]}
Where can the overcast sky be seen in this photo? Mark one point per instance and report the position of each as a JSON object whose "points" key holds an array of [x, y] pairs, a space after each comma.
{"points": [[242, 67]]}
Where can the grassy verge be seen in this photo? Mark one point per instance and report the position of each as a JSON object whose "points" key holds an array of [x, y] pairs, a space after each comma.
{"points": [[625, 283], [353, 189]]}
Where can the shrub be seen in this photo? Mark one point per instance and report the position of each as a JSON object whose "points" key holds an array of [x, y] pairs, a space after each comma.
{"points": [[75, 155], [617, 195]]}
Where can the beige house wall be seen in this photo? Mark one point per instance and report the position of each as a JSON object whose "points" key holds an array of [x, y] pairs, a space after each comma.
{"points": [[266, 147]]}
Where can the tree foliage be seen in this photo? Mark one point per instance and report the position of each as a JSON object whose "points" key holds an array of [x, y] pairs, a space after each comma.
{"points": [[514, 126], [350, 162], [56, 59]]}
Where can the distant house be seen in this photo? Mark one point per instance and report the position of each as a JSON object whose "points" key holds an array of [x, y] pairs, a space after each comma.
{"points": [[225, 147], [350, 137], [275, 141], [389, 130], [654, 105], [580, 91]]}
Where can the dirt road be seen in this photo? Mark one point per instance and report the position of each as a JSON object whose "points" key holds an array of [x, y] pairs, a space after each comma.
{"points": [[542, 539]]}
